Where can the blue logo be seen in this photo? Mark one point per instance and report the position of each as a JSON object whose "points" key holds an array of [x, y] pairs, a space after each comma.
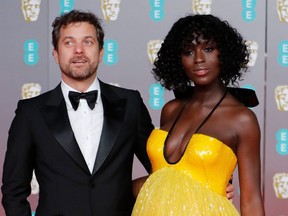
{"points": [[110, 52], [249, 86], [282, 141], [66, 6], [157, 10], [31, 56], [156, 92], [283, 53], [249, 12]]}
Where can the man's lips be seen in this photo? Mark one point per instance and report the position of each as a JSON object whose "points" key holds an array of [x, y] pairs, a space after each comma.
{"points": [[79, 61]]}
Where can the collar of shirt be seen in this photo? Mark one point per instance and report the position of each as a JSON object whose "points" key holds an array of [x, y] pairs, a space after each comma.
{"points": [[66, 88]]}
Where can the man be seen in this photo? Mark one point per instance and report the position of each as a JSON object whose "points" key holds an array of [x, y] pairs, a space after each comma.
{"points": [[82, 152], [82, 156]]}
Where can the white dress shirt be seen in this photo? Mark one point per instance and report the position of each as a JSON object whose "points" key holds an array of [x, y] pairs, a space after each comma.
{"points": [[86, 123]]}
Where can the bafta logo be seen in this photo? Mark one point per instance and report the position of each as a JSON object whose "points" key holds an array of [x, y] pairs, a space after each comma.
{"points": [[253, 50], [30, 90], [280, 183], [153, 47], [281, 97], [110, 9], [201, 6], [282, 10], [31, 9]]}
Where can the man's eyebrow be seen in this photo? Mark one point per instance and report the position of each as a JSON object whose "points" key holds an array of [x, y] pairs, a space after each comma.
{"points": [[90, 36]]}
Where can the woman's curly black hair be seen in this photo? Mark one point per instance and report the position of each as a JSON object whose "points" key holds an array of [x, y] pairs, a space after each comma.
{"points": [[233, 53]]}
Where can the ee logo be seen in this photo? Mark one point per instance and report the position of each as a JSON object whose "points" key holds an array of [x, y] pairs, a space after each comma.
{"points": [[156, 100], [31, 56]]}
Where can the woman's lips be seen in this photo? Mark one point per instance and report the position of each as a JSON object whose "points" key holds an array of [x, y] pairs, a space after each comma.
{"points": [[200, 72]]}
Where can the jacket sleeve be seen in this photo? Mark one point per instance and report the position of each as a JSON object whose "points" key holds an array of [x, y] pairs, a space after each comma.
{"points": [[18, 166], [145, 127]]}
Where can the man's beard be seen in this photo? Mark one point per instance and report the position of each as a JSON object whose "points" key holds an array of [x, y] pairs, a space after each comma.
{"points": [[79, 73]]}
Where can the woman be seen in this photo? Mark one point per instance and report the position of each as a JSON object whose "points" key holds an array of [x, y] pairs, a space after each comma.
{"points": [[207, 131]]}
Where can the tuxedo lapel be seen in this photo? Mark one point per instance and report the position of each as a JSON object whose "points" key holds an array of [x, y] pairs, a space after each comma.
{"points": [[56, 117], [114, 108]]}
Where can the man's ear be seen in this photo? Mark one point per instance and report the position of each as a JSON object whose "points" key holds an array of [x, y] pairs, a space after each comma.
{"points": [[55, 55], [101, 54]]}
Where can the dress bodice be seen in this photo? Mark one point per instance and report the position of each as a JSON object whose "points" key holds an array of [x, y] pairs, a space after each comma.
{"points": [[195, 184], [205, 159]]}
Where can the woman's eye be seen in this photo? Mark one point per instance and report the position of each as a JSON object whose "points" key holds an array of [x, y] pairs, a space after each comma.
{"points": [[209, 49], [188, 52]]}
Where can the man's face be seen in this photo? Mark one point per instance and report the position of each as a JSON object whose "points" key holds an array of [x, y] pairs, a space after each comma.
{"points": [[110, 9], [31, 9], [78, 53]]}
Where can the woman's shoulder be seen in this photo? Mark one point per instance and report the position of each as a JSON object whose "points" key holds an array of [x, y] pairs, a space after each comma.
{"points": [[171, 110], [238, 110], [243, 119], [173, 105]]}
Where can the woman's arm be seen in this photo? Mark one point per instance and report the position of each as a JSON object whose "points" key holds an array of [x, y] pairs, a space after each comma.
{"points": [[249, 165]]}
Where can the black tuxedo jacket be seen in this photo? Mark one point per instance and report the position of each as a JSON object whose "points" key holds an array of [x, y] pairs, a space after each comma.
{"points": [[41, 138]]}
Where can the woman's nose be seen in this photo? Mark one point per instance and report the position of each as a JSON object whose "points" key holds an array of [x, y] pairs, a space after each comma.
{"points": [[199, 56]]}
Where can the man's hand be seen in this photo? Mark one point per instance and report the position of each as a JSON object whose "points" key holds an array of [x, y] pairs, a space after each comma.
{"points": [[230, 192]]}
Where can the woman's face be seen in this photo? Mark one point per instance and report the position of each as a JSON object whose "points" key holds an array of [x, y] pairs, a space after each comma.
{"points": [[201, 63]]}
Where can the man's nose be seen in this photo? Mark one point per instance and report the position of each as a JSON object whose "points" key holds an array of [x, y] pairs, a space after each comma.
{"points": [[78, 49]]}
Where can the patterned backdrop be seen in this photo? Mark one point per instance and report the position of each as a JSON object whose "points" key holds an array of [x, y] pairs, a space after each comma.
{"points": [[134, 30]]}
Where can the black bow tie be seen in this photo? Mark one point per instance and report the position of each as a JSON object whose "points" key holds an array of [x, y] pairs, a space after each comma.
{"points": [[90, 97]]}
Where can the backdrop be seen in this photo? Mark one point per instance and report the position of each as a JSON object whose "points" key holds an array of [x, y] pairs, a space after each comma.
{"points": [[134, 31]]}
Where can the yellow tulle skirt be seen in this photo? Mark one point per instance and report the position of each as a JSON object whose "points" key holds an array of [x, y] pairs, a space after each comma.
{"points": [[170, 192]]}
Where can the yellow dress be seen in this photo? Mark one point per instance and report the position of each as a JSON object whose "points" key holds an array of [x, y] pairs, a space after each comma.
{"points": [[196, 185]]}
